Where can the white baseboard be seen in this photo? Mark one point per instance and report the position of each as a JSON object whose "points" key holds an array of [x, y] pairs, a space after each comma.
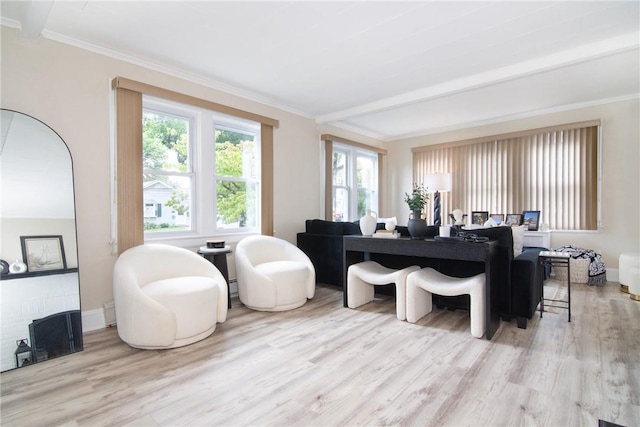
{"points": [[93, 320], [233, 287]]}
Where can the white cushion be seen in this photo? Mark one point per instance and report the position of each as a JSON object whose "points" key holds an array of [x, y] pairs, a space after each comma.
{"points": [[192, 299], [274, 268], [518, 239], [273, 274], [472, 227], [490, 223], [166, 296]]}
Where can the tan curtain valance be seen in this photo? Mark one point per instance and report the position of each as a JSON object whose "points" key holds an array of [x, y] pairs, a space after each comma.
{"points": [[327, 137], [128, 169], [147, 89]]}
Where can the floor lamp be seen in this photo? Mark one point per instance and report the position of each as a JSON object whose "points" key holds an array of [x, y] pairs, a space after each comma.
{"points": [[437, 183]]}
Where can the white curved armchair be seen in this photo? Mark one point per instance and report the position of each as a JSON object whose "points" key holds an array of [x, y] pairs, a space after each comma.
{"points": [[166, 296], [273, 274]]}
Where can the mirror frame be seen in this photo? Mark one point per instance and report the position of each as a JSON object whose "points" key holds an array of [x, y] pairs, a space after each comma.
{"points": [[74, 316]]}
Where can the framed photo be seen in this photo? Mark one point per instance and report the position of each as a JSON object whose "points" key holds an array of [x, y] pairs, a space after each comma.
{"points": [[497, 218], [531, 219], [42, 253], [479, 217], [513, 219]]}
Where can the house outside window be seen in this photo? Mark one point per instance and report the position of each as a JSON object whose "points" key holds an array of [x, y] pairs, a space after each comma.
{"points": [[201, 172], [167, 169]]}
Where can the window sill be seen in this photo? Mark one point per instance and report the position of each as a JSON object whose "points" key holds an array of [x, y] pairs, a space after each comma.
{"points": [[200, 240]]}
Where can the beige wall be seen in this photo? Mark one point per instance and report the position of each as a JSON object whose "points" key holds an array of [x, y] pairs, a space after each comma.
{"points": [[69, 89], [620, 227]]}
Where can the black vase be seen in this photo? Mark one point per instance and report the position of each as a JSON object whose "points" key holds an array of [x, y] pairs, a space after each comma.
{"points": [[417, 226]]}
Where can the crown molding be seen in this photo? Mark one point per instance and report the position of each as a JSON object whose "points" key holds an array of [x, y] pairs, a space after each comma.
{"points": [[11, 23], [516, 116], [174, 72]]}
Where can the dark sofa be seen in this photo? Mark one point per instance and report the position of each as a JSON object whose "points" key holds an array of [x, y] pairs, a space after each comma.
{"points": [[518, 277], [322, 242]]}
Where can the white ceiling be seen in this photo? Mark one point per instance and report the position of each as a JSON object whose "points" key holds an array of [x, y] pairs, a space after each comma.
{"points": [[386, 69]]}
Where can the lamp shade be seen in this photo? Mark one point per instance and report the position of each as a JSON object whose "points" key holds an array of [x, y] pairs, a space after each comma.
{"points": [[438, 182]]}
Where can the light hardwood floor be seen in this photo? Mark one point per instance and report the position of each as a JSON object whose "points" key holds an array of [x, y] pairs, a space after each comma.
{"points": [[325, 365]]}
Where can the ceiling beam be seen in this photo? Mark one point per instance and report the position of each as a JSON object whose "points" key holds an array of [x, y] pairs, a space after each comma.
{"points": [[36, 18], [523, 69]]}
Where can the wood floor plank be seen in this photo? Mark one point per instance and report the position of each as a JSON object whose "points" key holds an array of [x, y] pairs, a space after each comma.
{"points": [[326, 365]]}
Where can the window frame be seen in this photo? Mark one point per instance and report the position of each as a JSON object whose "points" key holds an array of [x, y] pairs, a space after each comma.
{"points": [[331, 141], [192, 116], [202, 169], [126, 151], [233, 124], [367, 154]]}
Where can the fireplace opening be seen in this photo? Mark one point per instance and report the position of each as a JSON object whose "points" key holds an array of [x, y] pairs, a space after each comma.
{"points": [[56, 335]]}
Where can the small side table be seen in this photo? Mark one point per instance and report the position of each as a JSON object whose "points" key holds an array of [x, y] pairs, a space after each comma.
{"points": [[556, 259], [218, 257]]}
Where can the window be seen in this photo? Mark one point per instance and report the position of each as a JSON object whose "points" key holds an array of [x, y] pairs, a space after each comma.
{"points": [[553, 170], [167, 170], [237, 174], [152, 209], [354, 181], [127, 213], [201, 171]]}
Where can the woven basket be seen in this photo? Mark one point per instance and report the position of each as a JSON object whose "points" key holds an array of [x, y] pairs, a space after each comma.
{"points": [[579, 271]]}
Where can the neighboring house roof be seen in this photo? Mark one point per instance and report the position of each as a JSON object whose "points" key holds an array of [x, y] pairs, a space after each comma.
{"points": [[158, 185]]}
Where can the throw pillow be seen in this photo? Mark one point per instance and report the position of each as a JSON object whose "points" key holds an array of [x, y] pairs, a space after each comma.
{"points": [[490, 223], [518, 239], [472, 227]]}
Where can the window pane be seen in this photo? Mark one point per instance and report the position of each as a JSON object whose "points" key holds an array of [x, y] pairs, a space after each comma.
{"points": [[237, 204], [366, 172], [365, 201], [167, 203], [339, 169], [341, 204], [236, 154], [165, 142]]}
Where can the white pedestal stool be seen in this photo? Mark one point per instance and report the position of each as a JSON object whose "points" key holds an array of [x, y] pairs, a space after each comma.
{"points": [[626, 262], [422, 284], [362, 276]]}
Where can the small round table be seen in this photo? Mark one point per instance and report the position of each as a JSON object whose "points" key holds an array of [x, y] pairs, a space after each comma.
{"points": [[218, 257]]}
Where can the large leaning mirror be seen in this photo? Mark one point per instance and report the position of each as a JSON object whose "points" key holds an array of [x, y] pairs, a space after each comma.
{"points": [[39, 287]]}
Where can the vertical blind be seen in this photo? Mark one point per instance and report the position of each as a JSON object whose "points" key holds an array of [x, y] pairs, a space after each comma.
{"points": [[129, 197], [553, 170]]}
